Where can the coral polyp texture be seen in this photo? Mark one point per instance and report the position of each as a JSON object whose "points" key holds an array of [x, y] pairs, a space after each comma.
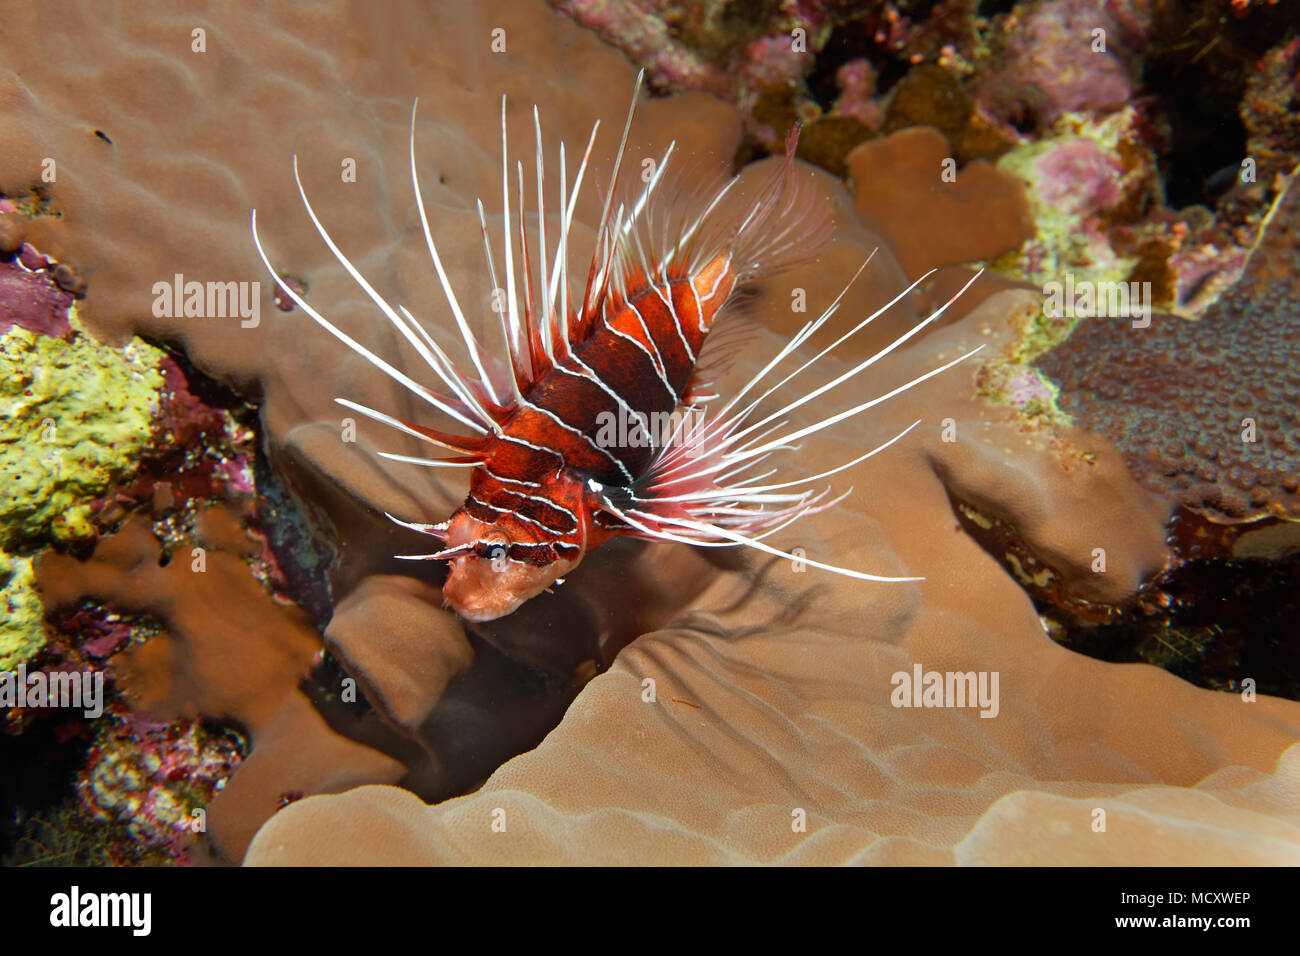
{"points": [[21, 632], [1206, 411], [188, 514], [76, 417]]}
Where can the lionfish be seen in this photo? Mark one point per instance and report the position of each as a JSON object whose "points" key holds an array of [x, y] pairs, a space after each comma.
{"points": [[550, 480]]}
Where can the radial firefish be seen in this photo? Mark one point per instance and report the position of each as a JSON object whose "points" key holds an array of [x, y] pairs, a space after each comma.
{"points": [[567, 446]]}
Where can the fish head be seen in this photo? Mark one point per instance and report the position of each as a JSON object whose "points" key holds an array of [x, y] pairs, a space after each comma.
{"points": [[505, 564]]}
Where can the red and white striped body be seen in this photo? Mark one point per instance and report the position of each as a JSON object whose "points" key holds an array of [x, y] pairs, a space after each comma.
{"points": [[550, 479], [531, 504]]}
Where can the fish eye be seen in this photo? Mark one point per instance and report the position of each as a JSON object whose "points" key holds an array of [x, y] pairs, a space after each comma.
{"points": [[498, 546]]}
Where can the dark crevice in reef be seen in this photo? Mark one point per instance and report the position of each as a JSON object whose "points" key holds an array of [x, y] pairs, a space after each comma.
{"points": [[1213, 623], [852, 41], [295, 542], [40, 776], [356, 718], [300, 548], [992, 8], [1214, 617], [1196, 66], [1214, 620], [498, 709], [207, 389]]}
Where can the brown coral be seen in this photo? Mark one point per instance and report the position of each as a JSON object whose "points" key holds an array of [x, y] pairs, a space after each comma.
{"points": [[934, 214], [771, 699], [170, 195], [772, 686], [1206, 412], [229, 654]]}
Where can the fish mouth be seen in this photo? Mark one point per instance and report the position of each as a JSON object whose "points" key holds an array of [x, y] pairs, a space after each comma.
{"points": [[481, 590]]}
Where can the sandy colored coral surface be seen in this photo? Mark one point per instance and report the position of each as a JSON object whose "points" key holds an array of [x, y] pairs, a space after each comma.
{"points": [[934, 214], [192, 139], [771, 686], [772, 697], [1207, 412]]}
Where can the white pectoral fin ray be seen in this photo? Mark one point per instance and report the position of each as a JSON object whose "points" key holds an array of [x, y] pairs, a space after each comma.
{"points": [[439, 402], [471, 344], [651, 525], [431, 462], [701, 489], [395, 423], [741, 539], [438, 530]]}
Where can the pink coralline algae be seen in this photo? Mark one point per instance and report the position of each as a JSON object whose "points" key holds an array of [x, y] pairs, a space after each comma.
{"points": [[733, 52], [1206, 412], [100, 634], [1024, 388], [1066, 56], [30, 298], [771, 60], [857, 83], [644, 36], [156, 779], [1079, 176]]}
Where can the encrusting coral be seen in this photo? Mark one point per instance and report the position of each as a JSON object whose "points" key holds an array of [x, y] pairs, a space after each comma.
{"points": [[1065, 56], [765, 706], [21, 631], [1074, 180], [74, 418], [771, 694], [1206, 412], [152, 777]]}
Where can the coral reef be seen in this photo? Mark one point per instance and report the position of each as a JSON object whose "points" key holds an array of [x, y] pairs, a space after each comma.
{"points": [[151, 778], [1206, 412], [344, 486], [1204, 70], [21, 633], [1079, 181], [771, 60], [65, 835], [934, 214], [250, 534], [76, 416], [856, 80], [226, 651], [1099, 217], [1064, 56], [771, 691], [718, 47]]}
